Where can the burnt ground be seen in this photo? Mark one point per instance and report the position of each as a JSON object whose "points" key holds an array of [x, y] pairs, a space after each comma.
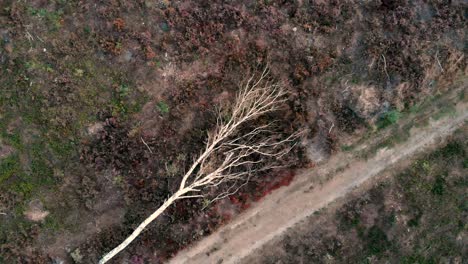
{"points": [[84, 83], [417, 215]]}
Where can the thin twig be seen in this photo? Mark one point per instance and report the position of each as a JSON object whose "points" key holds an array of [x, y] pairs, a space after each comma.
{"points": [[39, 38], [438, 62], [29, 36], [142, 140], [330, 130], [385, 67]]}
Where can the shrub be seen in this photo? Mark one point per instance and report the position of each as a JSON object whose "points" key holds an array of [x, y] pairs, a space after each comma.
{"points": [[163, 107], [439, 185], [377, 240], [388, 119]]}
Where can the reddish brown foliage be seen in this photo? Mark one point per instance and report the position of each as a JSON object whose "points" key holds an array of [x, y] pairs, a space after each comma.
{"points": [[149, 53], [119, 24]]}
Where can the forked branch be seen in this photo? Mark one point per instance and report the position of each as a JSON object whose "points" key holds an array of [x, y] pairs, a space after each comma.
{"points": [[234, 151]]}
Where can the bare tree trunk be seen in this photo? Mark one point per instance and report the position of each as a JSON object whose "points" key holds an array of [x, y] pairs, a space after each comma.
{"points": [[140, 228], [230, 158]]}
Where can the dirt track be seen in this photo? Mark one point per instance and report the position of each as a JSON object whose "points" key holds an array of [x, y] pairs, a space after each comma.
{"points": [[289, 205]]}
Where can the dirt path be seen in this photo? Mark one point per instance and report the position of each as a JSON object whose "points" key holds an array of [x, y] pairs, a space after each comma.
{"points": [[289, 205]]}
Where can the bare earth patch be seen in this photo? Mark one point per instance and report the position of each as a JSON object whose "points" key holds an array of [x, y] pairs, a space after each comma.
{"points": [[36, 212]]}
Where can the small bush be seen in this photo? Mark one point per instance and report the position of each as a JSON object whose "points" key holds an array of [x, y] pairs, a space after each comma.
{"points": [[450, 150], [377, 240], [439, 186], [388, 119], [163, 107], [414, 222]]}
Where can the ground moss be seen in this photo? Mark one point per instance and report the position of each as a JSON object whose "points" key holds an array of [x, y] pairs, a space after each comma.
{"points": [[9, 166]]}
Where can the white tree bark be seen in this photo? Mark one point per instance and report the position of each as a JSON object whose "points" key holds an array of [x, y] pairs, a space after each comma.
{"points": [[229, 157], [140, 228]]}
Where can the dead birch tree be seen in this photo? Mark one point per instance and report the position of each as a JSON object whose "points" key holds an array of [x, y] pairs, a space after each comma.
{"points": [[233, 152]]}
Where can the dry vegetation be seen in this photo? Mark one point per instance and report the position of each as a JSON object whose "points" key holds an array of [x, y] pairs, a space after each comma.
{"points": [[234, 152], [104, 103]]}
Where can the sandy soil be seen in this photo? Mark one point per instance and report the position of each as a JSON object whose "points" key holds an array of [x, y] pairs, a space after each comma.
{"points": [[289, 205]]}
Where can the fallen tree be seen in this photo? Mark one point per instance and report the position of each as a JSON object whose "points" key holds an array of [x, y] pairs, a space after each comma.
{"points": [[235, 150]]}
